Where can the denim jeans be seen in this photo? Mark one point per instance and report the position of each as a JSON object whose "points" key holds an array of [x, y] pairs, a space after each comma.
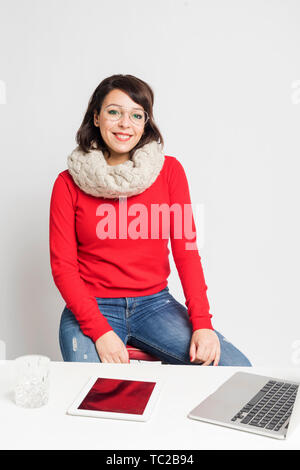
{"points": [[156, 323]]}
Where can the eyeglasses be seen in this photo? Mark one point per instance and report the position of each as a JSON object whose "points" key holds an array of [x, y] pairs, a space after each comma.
{"points": [[139, 117]]}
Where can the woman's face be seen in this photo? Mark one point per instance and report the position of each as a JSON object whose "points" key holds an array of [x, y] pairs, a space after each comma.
{"points": [[109, 129]]}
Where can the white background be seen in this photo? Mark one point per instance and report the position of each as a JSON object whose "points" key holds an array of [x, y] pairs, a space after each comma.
{"points": [[225, 76]]}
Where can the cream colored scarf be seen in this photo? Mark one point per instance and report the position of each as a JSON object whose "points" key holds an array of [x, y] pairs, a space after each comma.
{"points": [[95, 176]]}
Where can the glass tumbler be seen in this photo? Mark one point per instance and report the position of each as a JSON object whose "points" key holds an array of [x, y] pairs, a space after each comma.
{"points": [[32, 381]]}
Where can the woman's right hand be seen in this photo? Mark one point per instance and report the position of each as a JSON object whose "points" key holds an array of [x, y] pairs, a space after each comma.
{"points": [[111, 348]]}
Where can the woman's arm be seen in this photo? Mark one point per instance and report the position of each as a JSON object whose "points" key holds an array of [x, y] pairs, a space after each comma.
{"points": [[64, 264], [187, 261], [204, 346]]}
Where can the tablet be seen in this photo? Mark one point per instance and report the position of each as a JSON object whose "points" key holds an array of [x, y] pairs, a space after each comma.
{"points": [[117, 398]]}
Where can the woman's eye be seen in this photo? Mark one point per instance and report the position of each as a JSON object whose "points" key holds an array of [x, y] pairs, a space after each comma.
{"points": [[137, 116], [113, 111]]}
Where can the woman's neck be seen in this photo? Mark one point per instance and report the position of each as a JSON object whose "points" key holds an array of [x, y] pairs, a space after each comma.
{"points": [[116, 159]]}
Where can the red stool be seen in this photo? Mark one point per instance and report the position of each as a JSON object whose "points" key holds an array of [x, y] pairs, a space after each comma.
{"points": [[139, 355]]}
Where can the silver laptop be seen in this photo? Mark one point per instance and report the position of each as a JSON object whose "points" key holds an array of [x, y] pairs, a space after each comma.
{"points": [[253, 403]]}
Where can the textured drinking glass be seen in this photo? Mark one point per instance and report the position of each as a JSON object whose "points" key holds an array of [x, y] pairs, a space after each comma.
{"points": [[32, 381]]}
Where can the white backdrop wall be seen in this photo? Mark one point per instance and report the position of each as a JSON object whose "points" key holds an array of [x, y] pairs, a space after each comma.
{"points": [[226, 79]]}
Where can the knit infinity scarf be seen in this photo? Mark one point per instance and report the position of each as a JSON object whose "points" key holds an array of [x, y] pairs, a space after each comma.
{"points": [[95, 176]]}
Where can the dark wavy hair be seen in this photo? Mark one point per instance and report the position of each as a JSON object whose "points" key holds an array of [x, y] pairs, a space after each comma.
{"points": [[139, 91]]}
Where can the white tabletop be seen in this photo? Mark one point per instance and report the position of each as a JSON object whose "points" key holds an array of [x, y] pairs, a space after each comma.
{"points": [[50, 427]]}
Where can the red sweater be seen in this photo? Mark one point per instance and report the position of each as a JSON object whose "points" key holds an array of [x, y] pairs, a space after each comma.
{"points": [[86, 265]]}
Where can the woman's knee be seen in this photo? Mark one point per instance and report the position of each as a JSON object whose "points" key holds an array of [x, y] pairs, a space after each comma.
{"points": [[73, 349], [230, 355], [74, 345]]}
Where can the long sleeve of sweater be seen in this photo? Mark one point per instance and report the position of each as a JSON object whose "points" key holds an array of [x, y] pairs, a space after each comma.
{"points": [[187, 260], [64, 262]]}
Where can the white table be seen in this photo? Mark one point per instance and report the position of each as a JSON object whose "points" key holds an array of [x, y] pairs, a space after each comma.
{"points": [[185, 386]]}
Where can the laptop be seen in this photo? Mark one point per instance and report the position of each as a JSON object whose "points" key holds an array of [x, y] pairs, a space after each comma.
{"points": [[253, 403]]}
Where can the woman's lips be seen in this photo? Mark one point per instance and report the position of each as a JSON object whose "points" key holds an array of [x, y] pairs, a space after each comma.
{"points": [[122, 138]]}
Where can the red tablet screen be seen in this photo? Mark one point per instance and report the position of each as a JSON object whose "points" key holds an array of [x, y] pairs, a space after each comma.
{"points": [[118, 396]]}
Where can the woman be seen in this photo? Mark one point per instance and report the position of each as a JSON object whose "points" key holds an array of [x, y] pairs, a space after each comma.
{"points": [[109, 252]]}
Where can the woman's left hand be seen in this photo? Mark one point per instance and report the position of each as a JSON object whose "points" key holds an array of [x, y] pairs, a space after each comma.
{"points": [[205, 347]]}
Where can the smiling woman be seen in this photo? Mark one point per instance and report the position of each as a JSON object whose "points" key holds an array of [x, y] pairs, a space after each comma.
{"points": [[115, 287], [106, 111], [120, 130]]}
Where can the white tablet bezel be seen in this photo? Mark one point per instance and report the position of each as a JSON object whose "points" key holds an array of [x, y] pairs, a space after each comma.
{"points": [[73, 409]]}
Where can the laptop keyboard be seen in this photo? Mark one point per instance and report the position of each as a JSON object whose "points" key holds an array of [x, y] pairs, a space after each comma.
{"points": [[270, 407]]}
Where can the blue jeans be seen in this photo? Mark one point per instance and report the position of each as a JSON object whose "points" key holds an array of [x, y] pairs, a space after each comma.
{"points": [[155, 323]]}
